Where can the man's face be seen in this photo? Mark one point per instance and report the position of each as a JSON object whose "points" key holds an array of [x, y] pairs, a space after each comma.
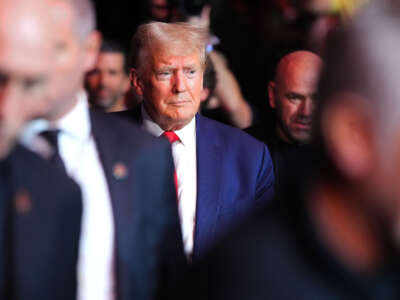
{"points": [[108, 82], [25, 68], [292, 96], [75, 55], [171, 87], [164, 11]]}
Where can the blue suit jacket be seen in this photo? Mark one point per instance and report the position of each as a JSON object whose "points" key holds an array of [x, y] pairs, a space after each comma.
{"points": [[139, 173], [234, 177]]}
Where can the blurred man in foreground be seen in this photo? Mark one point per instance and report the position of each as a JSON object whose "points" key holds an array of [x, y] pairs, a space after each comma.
{"points": [[126, 251], [340, 237], [222, 173], [108, 83], [40, 207]]}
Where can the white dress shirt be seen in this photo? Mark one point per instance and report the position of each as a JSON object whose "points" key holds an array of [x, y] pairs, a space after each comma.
{"points": [[81, 159], [184, 154]]}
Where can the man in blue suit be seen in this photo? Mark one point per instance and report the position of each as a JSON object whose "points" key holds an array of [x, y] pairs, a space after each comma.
{"points": [[222, 174], [130, 243]]}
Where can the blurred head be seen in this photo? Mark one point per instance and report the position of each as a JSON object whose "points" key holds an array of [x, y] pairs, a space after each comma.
{"points": [[291, 94], [209, 82], [108, 82], [77, 48], [26, 57], [164, 10], [358, 115], [168, 62]]}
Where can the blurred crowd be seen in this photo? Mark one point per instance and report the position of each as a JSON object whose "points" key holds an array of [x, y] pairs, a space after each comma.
{"points": [[196, 149]]}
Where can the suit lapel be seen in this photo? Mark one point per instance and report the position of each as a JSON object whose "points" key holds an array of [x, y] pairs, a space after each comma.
{"points": [[104, 143], [209, 160], [119, 184]]}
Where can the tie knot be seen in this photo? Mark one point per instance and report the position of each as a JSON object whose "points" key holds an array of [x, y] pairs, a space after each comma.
{"points": [[171, 136], [51, 136]]}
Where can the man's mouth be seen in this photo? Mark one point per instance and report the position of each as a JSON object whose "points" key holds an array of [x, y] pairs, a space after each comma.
{"points": [[179, 102], [103, 93], [303, 125]]}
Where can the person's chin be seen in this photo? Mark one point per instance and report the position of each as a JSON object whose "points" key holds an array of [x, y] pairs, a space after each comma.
{"points": [[302, 138], [105, 102], [181, 117]]}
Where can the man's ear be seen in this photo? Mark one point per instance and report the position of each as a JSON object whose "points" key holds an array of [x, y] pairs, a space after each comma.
{"points": [[92, 47], [205, 92], [271, 94], [348, 136], [136, 81]]}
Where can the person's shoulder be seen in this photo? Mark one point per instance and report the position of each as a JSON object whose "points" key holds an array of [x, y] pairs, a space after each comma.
{"points": [[133, 115], [44, 175], [227, 134], [20, 152], [122, 130], [23, 157]]}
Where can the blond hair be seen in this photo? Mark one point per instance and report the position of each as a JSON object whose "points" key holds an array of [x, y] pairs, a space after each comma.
{"points": [[156, 38]]}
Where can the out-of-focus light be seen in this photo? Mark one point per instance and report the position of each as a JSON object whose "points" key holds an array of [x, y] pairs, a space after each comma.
{"points": [[347, 8]]}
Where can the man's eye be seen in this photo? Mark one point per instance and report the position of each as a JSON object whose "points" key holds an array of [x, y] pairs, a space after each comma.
{"points": [[163, 74], [31, 83], [191, 73], [93, 72], [294, 97], [3, 79]]}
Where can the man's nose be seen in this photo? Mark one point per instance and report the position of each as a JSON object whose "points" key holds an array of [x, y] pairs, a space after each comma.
{"points": [[179, 82], [103, 78], [307, 107]]}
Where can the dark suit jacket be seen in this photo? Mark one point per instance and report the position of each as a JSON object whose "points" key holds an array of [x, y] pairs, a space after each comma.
{"points": [[40, 222], [139, 172], [234, 177]]}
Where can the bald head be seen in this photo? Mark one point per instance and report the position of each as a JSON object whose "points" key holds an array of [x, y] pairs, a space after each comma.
{"points": [[302, 67], [23, 27], [26, 56], [291, 95]]}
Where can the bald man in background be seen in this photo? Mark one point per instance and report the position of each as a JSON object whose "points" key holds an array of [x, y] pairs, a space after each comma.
{"points": [[291, 95], [40, 206]]}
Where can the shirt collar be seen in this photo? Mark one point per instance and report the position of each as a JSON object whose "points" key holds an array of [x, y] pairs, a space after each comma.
{"points": [[187, 134], [75, 123]]}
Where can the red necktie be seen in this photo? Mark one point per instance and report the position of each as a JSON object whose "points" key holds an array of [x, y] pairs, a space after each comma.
{"points": [[172, 138]]}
